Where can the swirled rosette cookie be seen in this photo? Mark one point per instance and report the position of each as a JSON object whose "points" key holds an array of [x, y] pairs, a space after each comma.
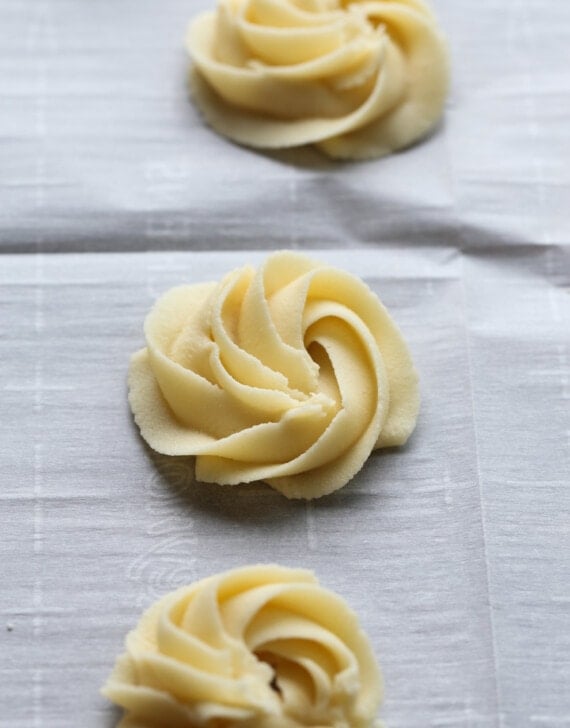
{"points": [[358, 78], [291, 374], [257, 647]]}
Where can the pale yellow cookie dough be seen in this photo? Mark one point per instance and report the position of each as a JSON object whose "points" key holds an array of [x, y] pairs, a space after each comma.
{"points": [[291, 374], [359, 79], [256, 647]]}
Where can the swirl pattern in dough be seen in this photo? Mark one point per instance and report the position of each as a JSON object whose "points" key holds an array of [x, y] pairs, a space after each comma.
{"points": [[358, 78], [256, 647], [291, 374]]}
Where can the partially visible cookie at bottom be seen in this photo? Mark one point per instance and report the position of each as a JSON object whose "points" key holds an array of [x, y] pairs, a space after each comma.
{"points": [[261, 646]]}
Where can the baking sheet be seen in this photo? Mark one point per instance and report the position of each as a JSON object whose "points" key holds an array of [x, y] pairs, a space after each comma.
{"points": [[453, 550]]}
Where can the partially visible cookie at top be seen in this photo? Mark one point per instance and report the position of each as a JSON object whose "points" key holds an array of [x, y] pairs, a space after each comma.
{"points": [[292, 373], [358, 79]]}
